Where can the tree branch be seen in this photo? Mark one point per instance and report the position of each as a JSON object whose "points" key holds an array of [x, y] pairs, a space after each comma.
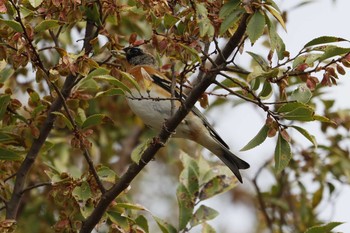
{"points": [[169, 127], [13, 204], [22, 173]]}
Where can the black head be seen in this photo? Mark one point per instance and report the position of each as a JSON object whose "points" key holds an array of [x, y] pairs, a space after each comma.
{"points": [[132, 52], [136, 56]]}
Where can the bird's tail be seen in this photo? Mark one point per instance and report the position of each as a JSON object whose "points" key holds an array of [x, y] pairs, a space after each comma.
{"points": [[233, 162]]}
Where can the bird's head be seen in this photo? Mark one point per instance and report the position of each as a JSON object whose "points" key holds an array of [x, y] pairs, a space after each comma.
{"points": [[136, 56]]}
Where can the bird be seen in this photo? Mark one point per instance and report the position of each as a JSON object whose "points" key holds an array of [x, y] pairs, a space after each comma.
{"points": [[151, 101]]}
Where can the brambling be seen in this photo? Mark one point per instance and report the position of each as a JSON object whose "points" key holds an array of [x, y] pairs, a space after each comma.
{"points": [[152, 102]]}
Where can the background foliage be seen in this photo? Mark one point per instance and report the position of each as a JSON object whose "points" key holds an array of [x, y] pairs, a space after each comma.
{"points": [[67, 136]]}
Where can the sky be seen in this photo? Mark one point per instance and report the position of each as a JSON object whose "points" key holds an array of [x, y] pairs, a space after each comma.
{"points": [[323, 17]]}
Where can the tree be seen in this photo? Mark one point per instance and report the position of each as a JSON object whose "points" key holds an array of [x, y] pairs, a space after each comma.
{"points": [[64, 122]]}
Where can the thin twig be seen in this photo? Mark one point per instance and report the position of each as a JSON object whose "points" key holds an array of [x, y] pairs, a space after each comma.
{"points": [[36, 186], [22, 173], [93, 171], [261, 198], [172, 87]]}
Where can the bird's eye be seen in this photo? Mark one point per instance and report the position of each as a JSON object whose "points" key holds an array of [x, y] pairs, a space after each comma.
{"points": [[135, 51]]}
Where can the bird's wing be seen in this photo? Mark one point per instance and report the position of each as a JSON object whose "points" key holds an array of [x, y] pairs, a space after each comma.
{"points": [[165, 83]]}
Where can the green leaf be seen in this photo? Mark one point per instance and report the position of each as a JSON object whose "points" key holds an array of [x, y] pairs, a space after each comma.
{"points": [[131, 79], [309, 59], [130, 206], [7, 137], [317, 197], [205, 26], [93, 13], [300, 114], [10, 155], [323, 228], [106, 174], [110, 92], [164, 226], [25, 11], [217, 183], [170, 20], [255, 26], [112, 80], [190, 174], [228, 8], [142, 222], [35, 3], [258, 139], [193, 52], [46, 25], [202, 214], [186, 205], [33, 95], [324, 40], [302, 94], [275, 13], [260, 60], [266, 91], [47, 146], [4, 102], [88, 83], [306, 134], [120, 220], [65, 119], [94, 120], [230, 20], [333, 51], [138, 151], [297, 111], [82, 192], [283, 153], [5, 74], [97, 72], [13, 24]]}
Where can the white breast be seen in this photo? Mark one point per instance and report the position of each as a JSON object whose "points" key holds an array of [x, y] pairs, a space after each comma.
{"points": [[152, 109]]}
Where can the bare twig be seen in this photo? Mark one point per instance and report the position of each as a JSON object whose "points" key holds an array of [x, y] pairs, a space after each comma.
{"points": [[36, 186], [260, 197], [172, 88], [92, 168]]}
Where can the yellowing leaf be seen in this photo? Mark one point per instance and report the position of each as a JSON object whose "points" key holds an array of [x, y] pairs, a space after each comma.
{"points": [[301, 94], [203, 214], [35, 3], [323, 228], [186, 205], [138, 151], [164, 226], [277, 15]]}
